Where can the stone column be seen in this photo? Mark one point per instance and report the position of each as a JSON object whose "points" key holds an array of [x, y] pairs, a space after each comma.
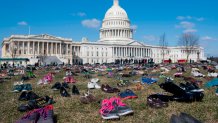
{"points": [[23, 48], [52, 49], [28, 47], [34, 49], [67, 49], [43, 48], [60, 49], [38, 48], [118, 53], [56, 48]]}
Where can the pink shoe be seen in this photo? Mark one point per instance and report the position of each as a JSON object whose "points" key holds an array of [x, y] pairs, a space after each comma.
{"points": [[108, 111]]}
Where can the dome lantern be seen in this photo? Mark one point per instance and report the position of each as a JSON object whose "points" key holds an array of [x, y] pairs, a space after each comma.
{"points": [[116, 2]]}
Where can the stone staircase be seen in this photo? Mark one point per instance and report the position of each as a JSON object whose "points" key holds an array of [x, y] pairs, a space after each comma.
{"points": [[52, 59]]}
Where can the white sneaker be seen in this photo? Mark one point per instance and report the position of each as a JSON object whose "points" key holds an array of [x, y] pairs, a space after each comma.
{"points": [[91, 85], [95, 80], [97, 86]]}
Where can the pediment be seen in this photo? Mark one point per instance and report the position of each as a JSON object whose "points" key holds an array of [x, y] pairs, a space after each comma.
{"points": [[46, 36], [135, 43]]}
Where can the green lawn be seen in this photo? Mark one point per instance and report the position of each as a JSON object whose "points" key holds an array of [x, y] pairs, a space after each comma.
{"points": [[70, 110]]}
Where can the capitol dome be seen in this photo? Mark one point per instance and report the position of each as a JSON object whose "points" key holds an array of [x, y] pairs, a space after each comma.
{"points": [[116, 12], [116, 26]]}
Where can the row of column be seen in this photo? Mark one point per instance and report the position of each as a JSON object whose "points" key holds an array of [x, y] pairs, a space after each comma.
{"points": [[115, 33], [76, 50], [131, 52], [35, 47]]}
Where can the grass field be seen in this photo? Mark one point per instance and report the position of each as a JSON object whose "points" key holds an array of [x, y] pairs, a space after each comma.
{"points": [[70, 110]]}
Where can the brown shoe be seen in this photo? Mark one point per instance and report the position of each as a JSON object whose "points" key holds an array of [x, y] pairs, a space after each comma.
{"points": [[84, 100], [91, 98]]}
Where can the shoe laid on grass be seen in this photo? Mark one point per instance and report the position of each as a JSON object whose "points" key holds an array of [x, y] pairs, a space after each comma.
{"points": [[23, 96], [158, 100], [56, 86], [97, 86], [127, 94], [94, 80], [191, 87], [91, 85], [108, 111], [64, 92], [122, 109], [27, 87], [40, 115], [17, 88], [87, 98], [108, 89], [46, 115], [65, 85], [75, 90]]}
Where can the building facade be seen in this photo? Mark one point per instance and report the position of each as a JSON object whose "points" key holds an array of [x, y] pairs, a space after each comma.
{"points": [[115, 44]]}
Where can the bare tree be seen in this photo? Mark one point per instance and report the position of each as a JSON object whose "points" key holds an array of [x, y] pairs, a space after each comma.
{"points": [[163, 44], [189, 41], [13, 51]]}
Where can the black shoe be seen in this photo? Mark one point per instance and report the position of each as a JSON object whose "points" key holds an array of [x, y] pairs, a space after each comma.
{"points": [[186, 118], [64, 92], [23, 108], [32, 96], [65, 85], [175, 119], [56, 86], [75, 90], [23, 96]]}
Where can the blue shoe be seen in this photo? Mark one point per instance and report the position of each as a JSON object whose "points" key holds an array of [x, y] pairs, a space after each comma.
{"points": [[127, 94], [17, 88], [27, 87]]}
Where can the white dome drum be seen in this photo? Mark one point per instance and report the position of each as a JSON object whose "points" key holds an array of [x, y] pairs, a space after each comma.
{"points": [[116, 26]]}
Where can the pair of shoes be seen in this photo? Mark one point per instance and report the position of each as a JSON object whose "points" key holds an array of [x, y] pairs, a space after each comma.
{"points": [[87, 98], [106, 88], [183, 118], [58, 85], [158, 101], [41, 115], [181, 95], [127, 94], [114, 108], [23, 87], [28, 96], [93, 84], [64, 93]]}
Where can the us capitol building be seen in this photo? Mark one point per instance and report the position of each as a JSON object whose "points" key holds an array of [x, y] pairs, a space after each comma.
{"points": [[116, 44]]}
